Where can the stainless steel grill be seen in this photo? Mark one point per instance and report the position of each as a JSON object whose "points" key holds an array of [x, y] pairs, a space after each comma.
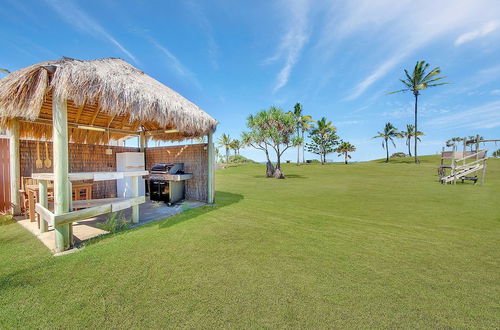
{"points": [[159, 185], [159, 172]]}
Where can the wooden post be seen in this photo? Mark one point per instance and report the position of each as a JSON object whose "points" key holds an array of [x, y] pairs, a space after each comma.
{"points": [[43, 200], [453, 164], [211, 172], [15, 171], [135, 193], [484, 171], [442, 153], [61, 169], [143, 141], [465, 150]]}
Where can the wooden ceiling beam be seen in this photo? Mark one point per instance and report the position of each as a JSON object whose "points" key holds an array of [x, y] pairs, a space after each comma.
{"points": [[97, 110], [79, 113], [83, 126]]}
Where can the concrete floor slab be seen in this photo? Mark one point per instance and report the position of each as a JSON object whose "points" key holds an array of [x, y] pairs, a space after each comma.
{"points": [[86, 229]]}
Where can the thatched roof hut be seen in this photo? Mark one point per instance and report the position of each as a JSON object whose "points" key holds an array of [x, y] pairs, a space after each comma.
{"points": [[107, 99]]}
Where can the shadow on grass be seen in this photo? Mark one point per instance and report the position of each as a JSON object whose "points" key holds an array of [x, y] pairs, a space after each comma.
{"points": [[406, 160], [222, 199], [287, 176]]}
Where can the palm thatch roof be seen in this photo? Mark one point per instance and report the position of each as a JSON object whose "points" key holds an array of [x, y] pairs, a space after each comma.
{"points": [[106, 93]]}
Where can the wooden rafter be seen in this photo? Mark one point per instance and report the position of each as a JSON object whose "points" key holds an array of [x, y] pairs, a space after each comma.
{"points": [[79, 113], [97, 111]]}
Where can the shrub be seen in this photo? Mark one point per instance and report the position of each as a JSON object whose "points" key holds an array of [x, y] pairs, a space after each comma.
{"points": [[6, 220], [114, 223], [398, 155], [239, 159]]}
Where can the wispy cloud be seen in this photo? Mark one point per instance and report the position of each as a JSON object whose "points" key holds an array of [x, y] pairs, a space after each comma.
{"points": [[391, 27], [206, 26], [379, 72], [292, 42], [347, 122], [78, 18], [174, 63], [485, 29], [481, 117], [409, 111]]}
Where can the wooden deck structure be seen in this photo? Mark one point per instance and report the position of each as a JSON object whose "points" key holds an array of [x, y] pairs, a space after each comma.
{"points": [[464, 165], [91, 102]]}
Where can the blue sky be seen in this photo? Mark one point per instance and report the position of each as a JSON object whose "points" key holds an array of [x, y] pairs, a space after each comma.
{"points": [[338, 58]]}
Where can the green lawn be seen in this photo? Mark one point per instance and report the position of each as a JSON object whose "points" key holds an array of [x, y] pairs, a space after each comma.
{"points": [[364, 245]]}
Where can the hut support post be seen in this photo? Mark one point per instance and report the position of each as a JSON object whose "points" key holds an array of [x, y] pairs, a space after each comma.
{"points": [[42, 193], [61, 169], [15, 171], [143, 141], [211, 172], [135, 193]]}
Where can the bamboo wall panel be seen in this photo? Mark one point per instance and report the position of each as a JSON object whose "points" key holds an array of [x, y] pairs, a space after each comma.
{"points": [[195, 159], [82, 158], [93, 158], [4, 176]]}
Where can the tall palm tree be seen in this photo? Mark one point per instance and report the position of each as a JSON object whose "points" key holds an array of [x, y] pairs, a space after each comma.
{"points": [[343, 150], [418, 81], [297, 114], [408, 134], [306, 124], [236, 146], [324, 126], [390, 132], [225, 141], [325, 129], [303, 124]]}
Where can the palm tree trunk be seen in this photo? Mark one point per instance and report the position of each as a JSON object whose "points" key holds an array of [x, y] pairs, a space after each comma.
{"points": [[345, 160], [416, 129], [408, 141], [298, 155], [386, 151], [303, 155], [227, 155]]}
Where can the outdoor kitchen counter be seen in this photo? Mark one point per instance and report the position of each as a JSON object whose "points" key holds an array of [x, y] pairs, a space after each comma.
{"points": [[95, 176]]}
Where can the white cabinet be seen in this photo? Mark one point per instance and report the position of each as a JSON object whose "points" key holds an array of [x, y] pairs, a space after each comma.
{"points": [[129, 162]]}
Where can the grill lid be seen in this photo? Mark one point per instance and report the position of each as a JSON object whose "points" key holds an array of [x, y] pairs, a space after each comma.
{"points": [[161, 168], [164, 168]]}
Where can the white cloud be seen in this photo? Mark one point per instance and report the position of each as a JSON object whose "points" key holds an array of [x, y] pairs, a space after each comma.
{"points": [[495, 92], [485, 29], [292, 42], [347, 122], [481, 117], [206, 26], [397, 30], [409, 112], [380, 72], [174, 63], [75, 16]]}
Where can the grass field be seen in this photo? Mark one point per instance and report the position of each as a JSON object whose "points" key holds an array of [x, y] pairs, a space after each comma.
{"points": [[364, 245]]}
